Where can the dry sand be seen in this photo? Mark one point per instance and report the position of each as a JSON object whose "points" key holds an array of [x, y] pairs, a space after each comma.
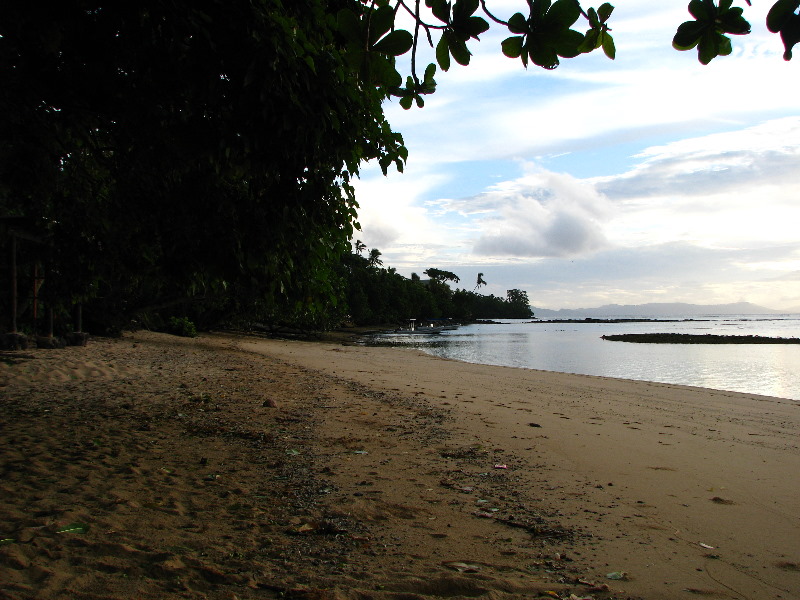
{"points": [[237, 467]]}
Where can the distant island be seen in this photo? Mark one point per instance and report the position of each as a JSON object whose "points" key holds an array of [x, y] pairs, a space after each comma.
{"points": [[691, 338], [656, 310]]}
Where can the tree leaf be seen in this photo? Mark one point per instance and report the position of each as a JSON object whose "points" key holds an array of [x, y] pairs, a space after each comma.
{"points": [[383, 72], [349, 25], [568, 43], [733, 22], [476, 26], [381, 22], [518, 24], [780, 12], [540, 8], [604, 12], [430, 71], [699, 10], [441, 10], [688, 35], [590, 41], [396, 43], [464, 8], [608, 45], [460, 52], [707, 47], [724, 46], [790, 35], [443, 53], [563, 13], [512, 46], [544, 56]]}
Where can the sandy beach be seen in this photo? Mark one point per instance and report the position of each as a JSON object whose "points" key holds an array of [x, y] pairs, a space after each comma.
{"points": [[239, 467]]}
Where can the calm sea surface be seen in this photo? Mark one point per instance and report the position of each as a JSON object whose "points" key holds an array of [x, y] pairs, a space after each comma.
{"points": [[771, 370]]}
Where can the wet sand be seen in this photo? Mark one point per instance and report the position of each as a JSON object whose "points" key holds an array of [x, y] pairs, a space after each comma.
{"points": [[240, 467]]}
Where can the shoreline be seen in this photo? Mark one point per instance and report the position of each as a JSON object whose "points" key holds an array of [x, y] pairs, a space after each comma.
{"points": [[420, 471]]}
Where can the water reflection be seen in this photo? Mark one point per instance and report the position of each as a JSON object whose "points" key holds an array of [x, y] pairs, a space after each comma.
{"points": [[772, 370]]}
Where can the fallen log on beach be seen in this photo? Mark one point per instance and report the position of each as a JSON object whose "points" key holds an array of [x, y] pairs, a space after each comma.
{"points": [[691, 338]]}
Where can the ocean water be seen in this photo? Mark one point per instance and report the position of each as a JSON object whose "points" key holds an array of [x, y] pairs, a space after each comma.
{"points": [[767, 369]]}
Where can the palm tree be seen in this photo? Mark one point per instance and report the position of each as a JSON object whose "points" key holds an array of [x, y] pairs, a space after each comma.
{"points": [[374, 258], [480, 282], [360, 247]]}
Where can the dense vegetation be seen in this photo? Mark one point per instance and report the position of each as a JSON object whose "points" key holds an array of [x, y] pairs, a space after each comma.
{"points": [[377, 295], [168, 158], [184, 158]]}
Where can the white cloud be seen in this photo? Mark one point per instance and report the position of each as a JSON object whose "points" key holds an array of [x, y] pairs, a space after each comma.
{"points": [[698, 201], [540, 214]]}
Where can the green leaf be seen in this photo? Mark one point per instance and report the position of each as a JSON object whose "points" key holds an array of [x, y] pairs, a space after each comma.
{"points": [[708, 47], [724, 46], [591, 40], [518, 24], [688, 35], [604, 12], [381, 22], [396, 43], [430, 71], [443, 53], [441, 10], [594, 21], [349, 25], [780, 12], [406, 101], [544, 56], [733, 22], [699, 10], [460, 52], [382, 72], [477, 26], [608, 45], [512, 47], [563, 13], [568, 43], [540, 8], [464, 8], [790, 35]]}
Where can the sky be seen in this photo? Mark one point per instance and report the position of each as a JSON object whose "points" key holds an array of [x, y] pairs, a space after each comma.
{"points": [[650, 178]]}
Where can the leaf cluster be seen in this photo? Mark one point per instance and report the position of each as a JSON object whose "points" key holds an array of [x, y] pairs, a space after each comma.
{"points": [[708, 30], [546, 34], [783, 19]]}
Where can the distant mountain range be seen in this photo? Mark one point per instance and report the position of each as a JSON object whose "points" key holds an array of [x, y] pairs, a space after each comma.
{"points": [[656, 310]]}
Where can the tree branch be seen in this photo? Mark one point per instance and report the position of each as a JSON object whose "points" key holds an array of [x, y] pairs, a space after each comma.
{"points": [[491, 16]]}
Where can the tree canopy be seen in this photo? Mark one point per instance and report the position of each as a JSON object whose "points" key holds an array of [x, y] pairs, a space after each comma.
{"points": [[175, 152], [197, 157], [546, 32]]}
